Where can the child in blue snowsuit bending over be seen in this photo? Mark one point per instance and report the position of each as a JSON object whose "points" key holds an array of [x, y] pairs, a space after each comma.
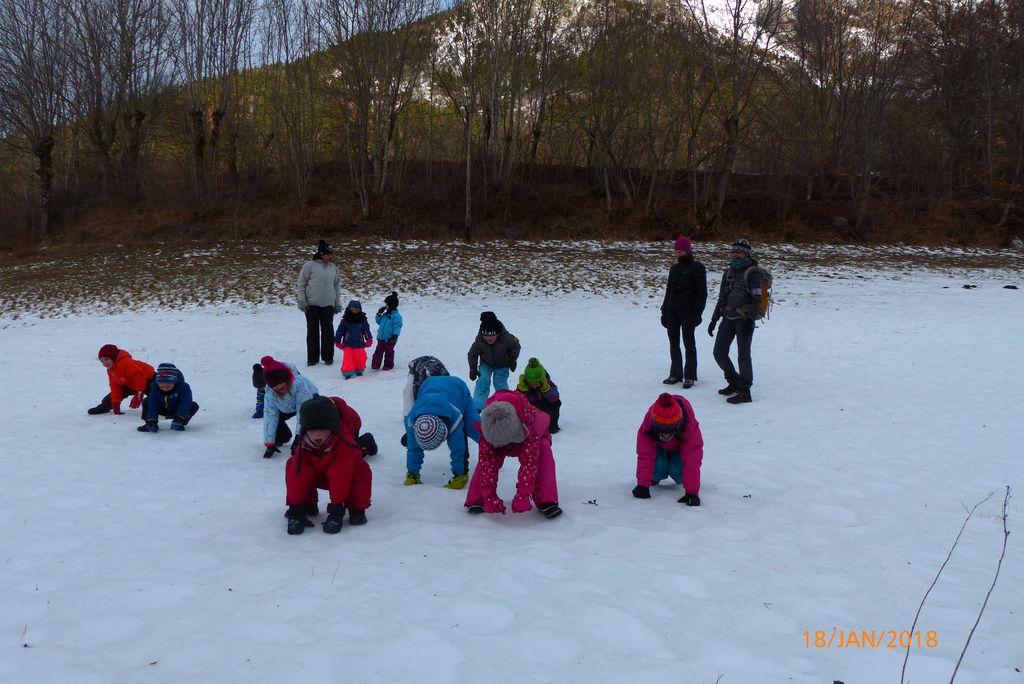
{"points": [[169, 397], [443, 412]]}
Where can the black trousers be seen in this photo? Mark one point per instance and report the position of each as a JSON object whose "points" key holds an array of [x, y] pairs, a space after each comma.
{"points": [[284, 433], [742, 330], [686, 325], [553, 409], [320, 334]]}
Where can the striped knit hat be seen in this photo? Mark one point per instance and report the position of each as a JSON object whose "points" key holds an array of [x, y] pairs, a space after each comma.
{"points": [[168, 373], [666, 413], [430, 432]]}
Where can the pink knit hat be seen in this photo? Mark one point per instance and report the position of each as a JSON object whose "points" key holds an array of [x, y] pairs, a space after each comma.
{"points": [[683, 244]]}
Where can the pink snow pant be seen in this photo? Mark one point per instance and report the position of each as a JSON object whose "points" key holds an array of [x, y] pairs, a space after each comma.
{"points": [[544, 491], [353, 360]]}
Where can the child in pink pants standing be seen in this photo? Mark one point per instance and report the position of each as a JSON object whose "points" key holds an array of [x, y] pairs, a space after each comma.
{"points": [[353, 337], [511, 426]]}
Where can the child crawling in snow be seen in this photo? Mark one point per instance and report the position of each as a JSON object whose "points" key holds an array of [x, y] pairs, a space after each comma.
{"points": [[669, 444]]}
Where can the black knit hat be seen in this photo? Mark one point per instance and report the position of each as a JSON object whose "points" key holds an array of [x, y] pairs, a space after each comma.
{"points": [[489, 324], [740, 245], [391, 301], [323, 248], [319, 412]]}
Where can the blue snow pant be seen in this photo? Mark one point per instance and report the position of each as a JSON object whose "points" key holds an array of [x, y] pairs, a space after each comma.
{"points": [[668, 464], [483, 383], [458, 444]]}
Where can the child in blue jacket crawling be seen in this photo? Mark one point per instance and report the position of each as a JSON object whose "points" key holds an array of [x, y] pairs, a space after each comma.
{"points": [[443, 412], [169, 397]]}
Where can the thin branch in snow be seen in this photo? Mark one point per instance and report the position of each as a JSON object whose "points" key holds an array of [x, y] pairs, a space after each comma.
{"points": [[920, 607], [999, 565]]}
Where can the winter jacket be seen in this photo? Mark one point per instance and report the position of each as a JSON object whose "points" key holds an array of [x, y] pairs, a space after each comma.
{"points": [[528, 452], [177, 402], [127, 372], [300, 390], [502, 354], [686, 293], [449, 398], [319, 285], [334, 468], [688, 442], [737, 291], [353, 329], [389, 324], [535, 395]]}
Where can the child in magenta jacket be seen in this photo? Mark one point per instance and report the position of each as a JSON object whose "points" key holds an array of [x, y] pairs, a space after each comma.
{"points": [[353, 337], [669, 444], [511, 426]]}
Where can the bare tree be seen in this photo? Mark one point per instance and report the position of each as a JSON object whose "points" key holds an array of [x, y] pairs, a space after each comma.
{"points": [[33, 83]]}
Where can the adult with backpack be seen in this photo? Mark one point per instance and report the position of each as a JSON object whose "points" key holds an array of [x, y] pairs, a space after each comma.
{"points": [[686, 294], [318, 295], [742, 300]]}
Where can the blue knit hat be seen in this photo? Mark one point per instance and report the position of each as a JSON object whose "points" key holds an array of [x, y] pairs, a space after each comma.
{"points": [[430, 432], [168, 373]]}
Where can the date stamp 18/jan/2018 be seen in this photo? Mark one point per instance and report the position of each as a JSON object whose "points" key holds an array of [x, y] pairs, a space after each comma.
{"points": [[870, 638]]}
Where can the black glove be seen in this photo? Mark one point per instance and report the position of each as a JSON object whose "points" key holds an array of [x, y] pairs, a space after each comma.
{"points": [[641, 492], [512, 367], [664, 320], [257, 377], [381, 310], [405, 441], [690, 500], [711, 327], [473, 375], [368, 444], [271, 451]]}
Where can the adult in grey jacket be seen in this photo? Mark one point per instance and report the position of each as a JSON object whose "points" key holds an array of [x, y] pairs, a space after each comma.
{"points": [[737, 297], [319, 297]]}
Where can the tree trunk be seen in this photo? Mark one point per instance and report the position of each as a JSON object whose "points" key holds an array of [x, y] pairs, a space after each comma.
{"points": [[713, 216], [43, 150], [198, 150]]}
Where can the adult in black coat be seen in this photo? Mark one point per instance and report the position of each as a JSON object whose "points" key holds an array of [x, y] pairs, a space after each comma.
{"points": [[686, 294]]}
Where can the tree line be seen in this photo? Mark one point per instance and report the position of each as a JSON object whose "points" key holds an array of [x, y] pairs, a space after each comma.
{"points": [[202, 100]]}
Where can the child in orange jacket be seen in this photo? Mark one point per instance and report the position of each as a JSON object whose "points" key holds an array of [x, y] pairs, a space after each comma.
{"points": [[126, 377]]}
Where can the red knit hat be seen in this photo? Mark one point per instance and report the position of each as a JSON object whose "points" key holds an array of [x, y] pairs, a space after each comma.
{"points": [[666, 413], [108, 351], [275, 372]]}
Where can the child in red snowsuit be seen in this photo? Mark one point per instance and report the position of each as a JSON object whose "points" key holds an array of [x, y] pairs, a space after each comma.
{"points": [[511, 426], [669, 444], [328, 456], [127, 377]]}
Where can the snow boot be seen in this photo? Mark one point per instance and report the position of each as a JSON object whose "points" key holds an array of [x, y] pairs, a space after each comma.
{"points": [[742, 396], [259, 404], [102, 407], [549, 510], [411, 479], [356, 517], [149, 426], [670, 380], [457, 482], [729, 390], [335, 516], [475, 509], [687, 384], [297, 520]]}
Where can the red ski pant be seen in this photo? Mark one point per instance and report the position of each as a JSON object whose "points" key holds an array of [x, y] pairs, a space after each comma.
{"points": [[348, 481], [353, 360]]}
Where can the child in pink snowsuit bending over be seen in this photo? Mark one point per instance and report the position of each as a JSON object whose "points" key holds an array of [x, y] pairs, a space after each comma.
{"points": [[511, 426], [669, 444]]}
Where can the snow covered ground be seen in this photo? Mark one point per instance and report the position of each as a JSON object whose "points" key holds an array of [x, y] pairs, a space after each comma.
{"points": [[883, 406]]}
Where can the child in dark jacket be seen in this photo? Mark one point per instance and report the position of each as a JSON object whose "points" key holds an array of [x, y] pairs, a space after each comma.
{"points": [[389, 327], [536, 384], [170, 397], [353, 338], [492, 356]]}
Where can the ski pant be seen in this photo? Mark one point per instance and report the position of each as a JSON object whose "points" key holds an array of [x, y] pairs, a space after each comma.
{"points": [[686, 325], [385, 352], [319, 334], [483, 383], [181, 416], [284, 433], [544, 491], [347, 480], [552, 409], [668, 464], [742, 330], [353, 361], [458, 444]]}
